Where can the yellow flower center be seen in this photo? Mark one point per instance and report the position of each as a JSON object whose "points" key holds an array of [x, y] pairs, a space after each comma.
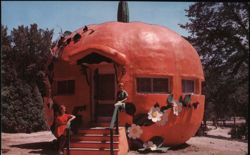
{"points": [[154, 114], [134, 130]]}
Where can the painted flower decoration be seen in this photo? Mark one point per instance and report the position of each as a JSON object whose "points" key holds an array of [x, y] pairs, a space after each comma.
{"points": [[155, 114], [134, 131], [150, 145], [164, 119], [175, 108], [179, 104]]}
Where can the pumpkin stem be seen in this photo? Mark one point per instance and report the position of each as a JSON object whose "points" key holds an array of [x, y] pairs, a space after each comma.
{"points": [[123, 12]]}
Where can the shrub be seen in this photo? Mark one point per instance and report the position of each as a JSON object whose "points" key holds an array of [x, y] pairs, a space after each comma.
{"points": [[23, 54], [239, 132], [22, 108]]}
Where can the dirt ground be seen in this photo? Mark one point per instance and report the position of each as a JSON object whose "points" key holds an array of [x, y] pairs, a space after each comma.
{"points": [[217, 142]]}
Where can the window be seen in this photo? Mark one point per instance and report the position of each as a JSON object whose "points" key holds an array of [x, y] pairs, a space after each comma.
{"points": [[66, 87], [152, 85], [144, 85], [188, 86], [203, 84]]}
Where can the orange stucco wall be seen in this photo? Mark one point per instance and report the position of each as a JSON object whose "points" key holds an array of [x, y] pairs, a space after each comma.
{"points": [[81, 97]]}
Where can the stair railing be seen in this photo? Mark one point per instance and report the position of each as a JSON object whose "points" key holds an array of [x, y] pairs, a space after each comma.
{"points": [[68, 138], [114, 122]]}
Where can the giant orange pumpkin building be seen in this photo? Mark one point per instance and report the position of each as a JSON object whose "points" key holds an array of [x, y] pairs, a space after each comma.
{"points": [[161, 72]]}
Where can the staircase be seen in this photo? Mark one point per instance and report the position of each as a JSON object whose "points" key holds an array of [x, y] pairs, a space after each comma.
{"points": [[96, 141]]}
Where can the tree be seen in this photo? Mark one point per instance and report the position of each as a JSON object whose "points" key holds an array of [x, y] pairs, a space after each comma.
{"points": [[220, 34], [123, 12], [24, 54]]}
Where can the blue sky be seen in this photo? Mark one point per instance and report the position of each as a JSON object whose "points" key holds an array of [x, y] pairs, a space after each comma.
{"points": [[70, 15]]}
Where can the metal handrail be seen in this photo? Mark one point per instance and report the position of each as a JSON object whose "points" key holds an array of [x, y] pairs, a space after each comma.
{"points": [[68, 138], [114, 122]]}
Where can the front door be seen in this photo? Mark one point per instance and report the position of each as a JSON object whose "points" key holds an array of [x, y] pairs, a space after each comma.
{"points": [[104, 95]]}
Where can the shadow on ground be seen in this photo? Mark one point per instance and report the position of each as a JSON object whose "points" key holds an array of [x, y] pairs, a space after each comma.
{"points": [[43, 148], [226, 138], [180, 147]]}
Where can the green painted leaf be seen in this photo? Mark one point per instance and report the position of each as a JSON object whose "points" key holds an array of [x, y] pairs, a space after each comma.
{"points": [[130, 108], [142, 120], [144, 150], [135, 144], [157, 140], [67, 33], [163, 149], [170, 98], [182, 101], [163, 108], [187, 99], [156, 105], [195, 104]]}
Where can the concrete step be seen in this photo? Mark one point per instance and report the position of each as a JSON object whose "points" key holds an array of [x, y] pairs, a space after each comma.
{"points": [[102, 124], [96, 130], [90, 151], [94, 137], [93, 144]]}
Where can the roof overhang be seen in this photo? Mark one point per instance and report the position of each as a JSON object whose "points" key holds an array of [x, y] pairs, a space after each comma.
{"points": [[102, 50]]}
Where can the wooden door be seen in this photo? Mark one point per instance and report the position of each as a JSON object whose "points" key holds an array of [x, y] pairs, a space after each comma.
{"points": [[104, 94]]}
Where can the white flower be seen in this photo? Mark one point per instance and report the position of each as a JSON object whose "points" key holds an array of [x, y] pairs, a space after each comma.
{"points": [[177, 107], [163, 120], [155, 114], [134, 131], [150, 145]]}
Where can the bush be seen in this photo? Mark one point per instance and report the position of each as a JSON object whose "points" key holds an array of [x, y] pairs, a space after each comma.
{"points": [[22, 108], [239, 132], [23, 54], [202, 131]]}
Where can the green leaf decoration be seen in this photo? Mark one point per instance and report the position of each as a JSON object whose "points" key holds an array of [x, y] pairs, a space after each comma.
{"points": [[156, 105], [163, 108], [170, 98], [158, 150], [77, 37], [163, 149], [66, 33], [68, 41], [142, 120], [130, 108], [195, 104], [135, 144], [144, 150], [157, 140], [181, 101], [187, 99]]}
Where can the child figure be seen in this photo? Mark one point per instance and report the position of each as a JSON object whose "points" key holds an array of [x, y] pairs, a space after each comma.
{"points": [[61, 123], [122, 95]]}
